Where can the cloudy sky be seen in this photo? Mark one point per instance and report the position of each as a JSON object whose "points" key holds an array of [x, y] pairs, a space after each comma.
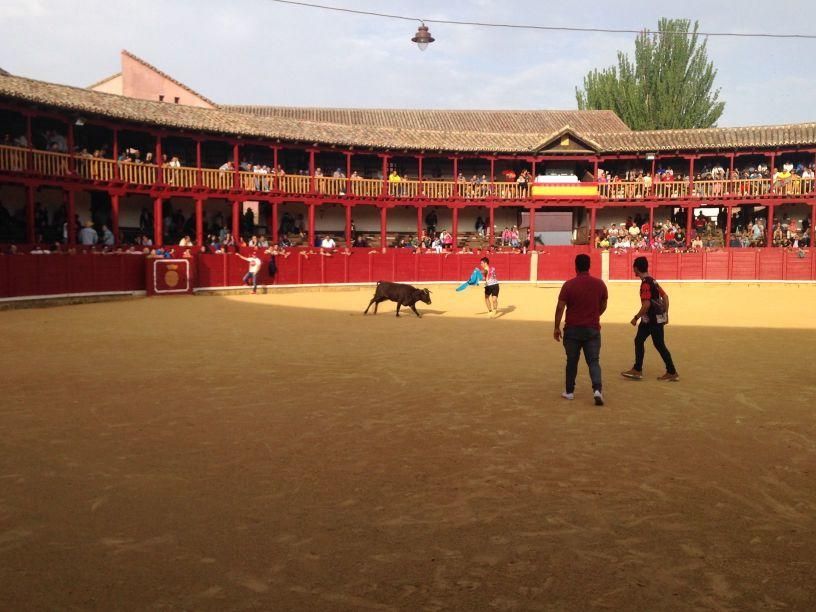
{"points": [[262, 52]]}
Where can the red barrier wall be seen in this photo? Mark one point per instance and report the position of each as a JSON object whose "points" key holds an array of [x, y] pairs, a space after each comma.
{"points": [[30, 275]]}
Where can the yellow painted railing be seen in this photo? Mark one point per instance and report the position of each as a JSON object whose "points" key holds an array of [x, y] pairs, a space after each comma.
{"points": [[139, 174], [13, 158], [294, 183], [218, 179], [50, 164], [437, 190], [180, 177], [366, 188], [95, 168]]}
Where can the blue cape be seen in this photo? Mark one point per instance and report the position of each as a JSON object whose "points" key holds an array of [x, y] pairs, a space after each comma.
{"points": [[474, 279]]}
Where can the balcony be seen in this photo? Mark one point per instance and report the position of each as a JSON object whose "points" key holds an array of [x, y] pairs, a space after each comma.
{"points": [[33, 162]]}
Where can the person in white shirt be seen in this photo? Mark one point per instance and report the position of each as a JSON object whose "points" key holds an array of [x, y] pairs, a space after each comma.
{"points": [[254, 269], [328, 243]]}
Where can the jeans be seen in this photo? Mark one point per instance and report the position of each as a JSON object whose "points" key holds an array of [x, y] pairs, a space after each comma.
{"points": [[588, 339], [254, 277], [656, 332]]}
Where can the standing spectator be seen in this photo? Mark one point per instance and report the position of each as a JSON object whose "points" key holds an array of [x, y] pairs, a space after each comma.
{"points": [[88, 235], [108, 238], [252, 273], [585, 298], [491, 287], [653, 316]]}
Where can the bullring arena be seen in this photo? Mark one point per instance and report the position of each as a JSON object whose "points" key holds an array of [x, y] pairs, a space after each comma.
{"points": [[172, 441], [282, 451]]}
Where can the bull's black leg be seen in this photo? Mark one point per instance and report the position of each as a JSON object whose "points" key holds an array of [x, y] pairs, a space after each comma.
{"points": [[413, 307], [398, 307], [376, 304], [373, 301]]}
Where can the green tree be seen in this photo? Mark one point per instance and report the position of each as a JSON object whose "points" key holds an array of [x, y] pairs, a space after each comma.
{"points": [[667, 86]]}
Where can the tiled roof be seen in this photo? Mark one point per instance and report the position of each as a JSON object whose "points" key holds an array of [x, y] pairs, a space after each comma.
{"points": [[166, 76], [4, 73], [405, 136], [481, 121]]}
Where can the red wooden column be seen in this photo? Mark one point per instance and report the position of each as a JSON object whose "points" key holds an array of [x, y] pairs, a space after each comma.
{"points": [[531, 229], [71, 155], [275, 178], [651, 224], [689, 219], [348, 173], [595, 170], [236, 221], [491, 224], [593, 215], [348, 225], [236, 160], [274, 223], [420, 191], [532, 175], [383, 227], [70, 207], [727, 236], [199, 173], [769, 226], [29, 138], [455, 228], [455, 177], [384, 175], [116, 153], [115, 217], [419, 221], [690, 187], [493, 177], [199, 216], [158, 234], [159, 169], [30, 230], [312, 182], [312, 234]]}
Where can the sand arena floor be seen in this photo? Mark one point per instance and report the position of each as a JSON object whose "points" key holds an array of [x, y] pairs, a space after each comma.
{"points": [[283, 452]]}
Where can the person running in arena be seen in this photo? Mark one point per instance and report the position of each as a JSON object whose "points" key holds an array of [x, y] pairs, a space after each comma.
{"points": [[653, 316], [491, 287], [254, 269], [584, 298]]}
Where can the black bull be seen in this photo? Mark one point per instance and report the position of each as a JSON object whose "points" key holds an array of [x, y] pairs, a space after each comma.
{"points": [[403, 295]]}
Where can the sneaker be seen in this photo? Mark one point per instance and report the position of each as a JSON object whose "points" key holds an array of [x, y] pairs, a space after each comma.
{"points": [[633, 374], [568, 396], [598, 398], [669, 377]]}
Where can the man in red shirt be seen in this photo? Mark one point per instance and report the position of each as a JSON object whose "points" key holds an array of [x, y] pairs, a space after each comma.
{"points": [[653, 316], [584, 297]]}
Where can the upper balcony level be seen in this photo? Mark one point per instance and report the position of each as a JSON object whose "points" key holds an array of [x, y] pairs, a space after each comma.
{"points": [[262, 183]]}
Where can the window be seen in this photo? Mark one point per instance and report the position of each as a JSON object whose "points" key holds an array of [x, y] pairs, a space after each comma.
{"points": [[161, 97], [176, 99]]}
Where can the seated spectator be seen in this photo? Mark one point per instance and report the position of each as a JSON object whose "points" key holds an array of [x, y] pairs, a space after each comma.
{"points": [[185, 242], [328, 243]]}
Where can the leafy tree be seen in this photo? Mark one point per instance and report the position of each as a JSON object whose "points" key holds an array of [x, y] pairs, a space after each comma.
{"points": [[668, 85]]}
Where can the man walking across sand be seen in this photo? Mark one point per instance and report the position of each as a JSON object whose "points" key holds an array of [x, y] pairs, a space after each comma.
{"points": [[653, 316], [584, 298]]}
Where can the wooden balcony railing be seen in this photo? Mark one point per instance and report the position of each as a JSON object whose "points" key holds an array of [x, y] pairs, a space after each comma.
{"points": [[13, 158], [95, 168], [138, 174], [49, 163]]}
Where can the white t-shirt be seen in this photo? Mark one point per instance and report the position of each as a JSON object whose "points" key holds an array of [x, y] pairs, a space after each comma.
{"points": [[328, 243], [254, 265]]}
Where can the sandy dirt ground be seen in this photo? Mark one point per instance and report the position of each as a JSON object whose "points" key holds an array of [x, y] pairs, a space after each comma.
{"points": [[283, 452]]}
